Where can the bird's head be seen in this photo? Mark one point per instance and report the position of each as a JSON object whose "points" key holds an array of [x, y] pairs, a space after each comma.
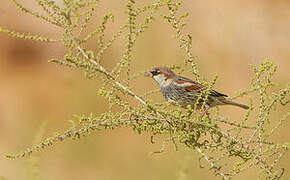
{"points": [[162, 75]]}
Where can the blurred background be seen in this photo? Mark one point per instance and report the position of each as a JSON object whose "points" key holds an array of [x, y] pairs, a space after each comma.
{"points": [[227, 37]]}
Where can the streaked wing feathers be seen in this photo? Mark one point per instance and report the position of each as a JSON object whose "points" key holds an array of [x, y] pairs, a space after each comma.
{"points": [[193, 86]]}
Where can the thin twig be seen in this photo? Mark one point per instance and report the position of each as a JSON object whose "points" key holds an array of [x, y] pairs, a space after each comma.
{"points": [[212, 165], [234, 124]]}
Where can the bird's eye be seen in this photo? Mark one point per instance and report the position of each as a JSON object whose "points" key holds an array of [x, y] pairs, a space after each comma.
{"points": [[155, 72]]}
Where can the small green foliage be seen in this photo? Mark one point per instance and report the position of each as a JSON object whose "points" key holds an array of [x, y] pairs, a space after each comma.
{"points": [[27, 36], [217, 139]]}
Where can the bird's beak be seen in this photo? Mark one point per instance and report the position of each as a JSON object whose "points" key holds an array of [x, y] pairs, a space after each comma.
{"points": [[148, 74]]}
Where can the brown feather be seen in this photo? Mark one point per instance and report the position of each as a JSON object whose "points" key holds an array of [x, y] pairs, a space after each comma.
{"points": [[197, 87]]}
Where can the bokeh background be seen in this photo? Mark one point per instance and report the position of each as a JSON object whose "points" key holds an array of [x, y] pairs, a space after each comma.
{"points": [[227, 36]]}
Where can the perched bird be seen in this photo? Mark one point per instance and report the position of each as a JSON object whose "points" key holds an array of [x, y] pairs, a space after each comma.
{"points": [[184, 91]]}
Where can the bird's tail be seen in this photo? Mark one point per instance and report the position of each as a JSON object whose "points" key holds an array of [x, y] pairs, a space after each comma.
{"points": [[235, 104]]}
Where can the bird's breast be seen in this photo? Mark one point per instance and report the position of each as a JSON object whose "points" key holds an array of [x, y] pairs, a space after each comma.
{"points": [[172, 93]]}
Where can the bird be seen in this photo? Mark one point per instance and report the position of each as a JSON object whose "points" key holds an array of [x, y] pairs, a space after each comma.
{"points": [[184, 91]]}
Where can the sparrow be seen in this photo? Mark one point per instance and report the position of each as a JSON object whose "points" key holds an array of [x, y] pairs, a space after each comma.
{"points": [[184, 91]]}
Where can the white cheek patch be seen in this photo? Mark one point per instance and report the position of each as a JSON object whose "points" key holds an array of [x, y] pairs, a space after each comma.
{"points": [[166, 83], [161, 80]]}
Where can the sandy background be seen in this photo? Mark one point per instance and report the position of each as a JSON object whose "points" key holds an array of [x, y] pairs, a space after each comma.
{"points": [[227, 37]]}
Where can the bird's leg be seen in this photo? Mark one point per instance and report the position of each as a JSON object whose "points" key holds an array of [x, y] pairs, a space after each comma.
{"points": [[205, 111]]}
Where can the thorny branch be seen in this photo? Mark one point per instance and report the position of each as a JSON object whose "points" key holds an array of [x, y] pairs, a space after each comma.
{"points": [[212, 165]]}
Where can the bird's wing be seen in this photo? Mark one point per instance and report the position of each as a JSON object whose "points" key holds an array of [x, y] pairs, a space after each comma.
{"points": [[193, 86]]}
